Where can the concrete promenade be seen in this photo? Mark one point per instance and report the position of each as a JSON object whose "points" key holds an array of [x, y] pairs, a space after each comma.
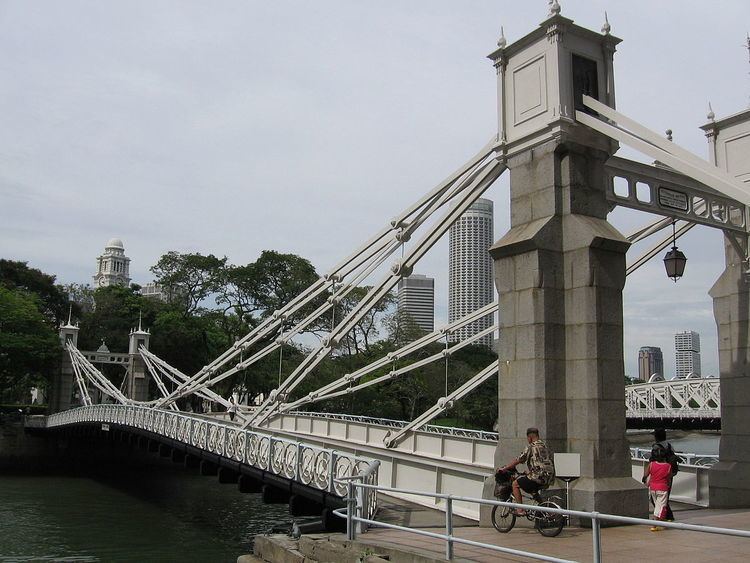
{"points": [[624, 543]]}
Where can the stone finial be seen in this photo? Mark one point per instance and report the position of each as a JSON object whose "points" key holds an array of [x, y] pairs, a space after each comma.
{"points": [[669, 134], [710, 115], [606, 28], [502, 42], [554, 8]]}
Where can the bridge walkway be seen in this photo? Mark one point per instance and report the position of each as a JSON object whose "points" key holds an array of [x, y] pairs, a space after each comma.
{"points": [[622, 543]]}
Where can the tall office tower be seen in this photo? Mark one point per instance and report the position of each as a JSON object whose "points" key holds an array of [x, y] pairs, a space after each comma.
{"points": [[112, 267], [650, 361], [416, 297], [470, 284], [687, 346]]}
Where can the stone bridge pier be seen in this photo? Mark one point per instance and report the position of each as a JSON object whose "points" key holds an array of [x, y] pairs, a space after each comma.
{"points": [[560, 269]]}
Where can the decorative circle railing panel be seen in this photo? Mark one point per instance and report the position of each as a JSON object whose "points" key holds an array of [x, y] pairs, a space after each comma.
{"points": [[310, 465]]}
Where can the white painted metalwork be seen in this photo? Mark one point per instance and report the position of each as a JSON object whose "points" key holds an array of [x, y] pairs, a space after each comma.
{"points": [[686, 459], [443, 404], [465, 185], [446, 460], [344, 384], [317, 467], [676, 398]]}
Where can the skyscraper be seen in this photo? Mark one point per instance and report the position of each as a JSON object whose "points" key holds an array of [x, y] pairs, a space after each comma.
{"points": [[650, 361], [416, 297], [112, 267], [687, 346], [470, 284]]}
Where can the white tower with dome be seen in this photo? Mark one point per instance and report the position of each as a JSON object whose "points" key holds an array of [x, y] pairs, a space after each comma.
{"points": [[113, 267]]}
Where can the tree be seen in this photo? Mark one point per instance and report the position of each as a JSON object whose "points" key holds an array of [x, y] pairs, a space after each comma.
{"points": [[189, 278], [117, 311], [52, 300], [367, 330], [29, 347], [82, 295]]}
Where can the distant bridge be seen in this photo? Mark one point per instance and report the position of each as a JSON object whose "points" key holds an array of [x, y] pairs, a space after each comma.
{"points": [[677, 403]]}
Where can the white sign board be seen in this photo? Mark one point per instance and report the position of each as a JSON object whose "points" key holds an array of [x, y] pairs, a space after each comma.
{"points": [[568, 465]]}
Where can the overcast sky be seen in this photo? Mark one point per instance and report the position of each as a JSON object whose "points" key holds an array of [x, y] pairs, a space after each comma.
{"points": [[233, 127]]}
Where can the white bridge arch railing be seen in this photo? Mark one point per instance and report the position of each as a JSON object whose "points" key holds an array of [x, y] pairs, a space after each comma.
{"points": [[684, 398], [314, 466]]}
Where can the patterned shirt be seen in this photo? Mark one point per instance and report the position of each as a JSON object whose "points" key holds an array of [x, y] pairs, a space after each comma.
{"points": [[538, 460]]}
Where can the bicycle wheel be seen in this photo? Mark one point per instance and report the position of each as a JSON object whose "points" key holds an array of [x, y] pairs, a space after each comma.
{"points": [[503, 518], [547, 523]]}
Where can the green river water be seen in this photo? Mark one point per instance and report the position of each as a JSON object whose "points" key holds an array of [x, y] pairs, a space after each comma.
{"points": [[157, 514]]}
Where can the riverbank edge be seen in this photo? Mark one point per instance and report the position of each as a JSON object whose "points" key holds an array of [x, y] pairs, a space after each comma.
{"points": [[330, 548]]}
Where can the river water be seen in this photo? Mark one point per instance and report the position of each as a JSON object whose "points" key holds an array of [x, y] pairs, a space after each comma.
{"points": [[160, 514]]}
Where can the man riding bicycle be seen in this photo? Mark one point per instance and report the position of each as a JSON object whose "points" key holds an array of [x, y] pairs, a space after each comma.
{"points": [[541, 468]]}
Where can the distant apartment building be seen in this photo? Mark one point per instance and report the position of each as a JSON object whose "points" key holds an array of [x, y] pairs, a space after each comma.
{"points": [[687, 346], [650, 362], [416, 298], [470, 283]]}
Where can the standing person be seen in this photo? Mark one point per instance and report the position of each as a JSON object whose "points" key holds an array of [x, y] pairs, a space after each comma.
{"points": [[541, 468], [662, 448], [233, 408], [657, 475]]}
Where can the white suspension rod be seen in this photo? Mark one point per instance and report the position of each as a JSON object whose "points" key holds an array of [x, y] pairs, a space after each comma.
{"points": [[402, 371], [401, 352], [443, 403], [658, 248], [490, 173]]}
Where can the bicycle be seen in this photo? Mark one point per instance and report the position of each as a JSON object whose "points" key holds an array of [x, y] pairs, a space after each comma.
{"points": [[549, 524]]}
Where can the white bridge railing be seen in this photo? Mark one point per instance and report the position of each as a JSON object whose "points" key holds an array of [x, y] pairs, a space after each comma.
{"points": [[311, 465]]}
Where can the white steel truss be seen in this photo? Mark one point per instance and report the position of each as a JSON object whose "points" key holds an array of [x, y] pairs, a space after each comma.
{"points": [[333, 389], [683, 398]]}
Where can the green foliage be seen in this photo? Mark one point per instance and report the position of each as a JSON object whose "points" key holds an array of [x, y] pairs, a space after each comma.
{"points": [[29, 347], [189, 278], [52, 300]]}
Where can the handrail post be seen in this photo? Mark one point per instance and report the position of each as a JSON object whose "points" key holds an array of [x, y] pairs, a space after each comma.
{"points": [[351, 507], [449, 528], [597, 537], [361, 495]]}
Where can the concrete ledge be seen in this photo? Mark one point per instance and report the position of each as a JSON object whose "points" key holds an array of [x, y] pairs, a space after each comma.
{"points": [[334, 548]]}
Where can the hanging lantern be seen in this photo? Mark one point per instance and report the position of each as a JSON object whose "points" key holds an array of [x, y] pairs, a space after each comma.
{"points": [[674, 261]]}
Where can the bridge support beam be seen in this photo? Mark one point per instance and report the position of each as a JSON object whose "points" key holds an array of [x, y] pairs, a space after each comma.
{"points": [[208, 469], [274, 495], [191, 462], [178, 456], [227, 476], [559, 272], [246, 484], [729, 480]]}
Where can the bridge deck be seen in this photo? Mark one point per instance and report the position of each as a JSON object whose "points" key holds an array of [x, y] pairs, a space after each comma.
{"points": [[624, 543]]}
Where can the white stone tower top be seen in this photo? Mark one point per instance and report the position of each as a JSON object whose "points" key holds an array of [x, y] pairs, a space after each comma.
{"points": [[112, 267]]}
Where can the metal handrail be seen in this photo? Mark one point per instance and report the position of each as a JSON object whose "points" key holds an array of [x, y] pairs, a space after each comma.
{"points": [[392, 423], [700, 461], [450, 539]]}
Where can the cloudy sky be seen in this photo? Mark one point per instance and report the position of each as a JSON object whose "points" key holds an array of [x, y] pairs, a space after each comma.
{"points": [[233, 127]]}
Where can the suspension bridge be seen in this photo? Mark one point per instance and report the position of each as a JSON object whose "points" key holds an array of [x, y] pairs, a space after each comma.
{"points": [[559, 271]]}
